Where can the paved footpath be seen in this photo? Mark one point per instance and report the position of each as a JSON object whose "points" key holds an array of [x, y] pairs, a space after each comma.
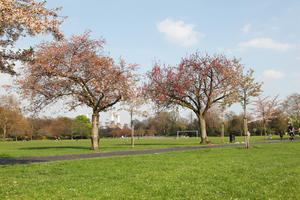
{"points": [[28, 160]]}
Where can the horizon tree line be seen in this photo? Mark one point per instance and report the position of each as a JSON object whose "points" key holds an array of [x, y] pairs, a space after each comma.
{"points": [[164, 123]]}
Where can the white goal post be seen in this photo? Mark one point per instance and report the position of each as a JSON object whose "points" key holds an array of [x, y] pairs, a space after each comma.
{"points": [[189, 131]]}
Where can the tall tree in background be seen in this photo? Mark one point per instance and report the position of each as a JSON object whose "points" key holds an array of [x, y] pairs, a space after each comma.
{"points": [[247, 88], [223, 108], [266, 109], [20, 128], [10, 114], [77, 72], [61, 126], [83, 120], [279, 124], [134, 108], [81, 126], [196, 83], [234, 123], [291, 105], [19, 18], [133, 105]]}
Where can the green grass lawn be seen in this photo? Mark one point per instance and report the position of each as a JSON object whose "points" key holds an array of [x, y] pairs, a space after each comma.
{"points": [[51, 147], [270, 171]]}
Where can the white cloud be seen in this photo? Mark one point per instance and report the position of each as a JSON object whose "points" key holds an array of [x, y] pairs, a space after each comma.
{"points": [[246, 28], [178, 32], [273, 74], [298, 58], [266, 43]]}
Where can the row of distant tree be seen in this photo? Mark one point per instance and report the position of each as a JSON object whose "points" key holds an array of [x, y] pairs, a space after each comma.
{"points": [[168, 123], [14, 125]]}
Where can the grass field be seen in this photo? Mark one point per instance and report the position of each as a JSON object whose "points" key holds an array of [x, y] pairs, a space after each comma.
{"points": [[51, 147], [270, 171]]}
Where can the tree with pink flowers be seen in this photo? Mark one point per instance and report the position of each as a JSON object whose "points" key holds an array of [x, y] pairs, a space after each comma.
{"points": [[77, 72], [197, 83], [19, 18]]}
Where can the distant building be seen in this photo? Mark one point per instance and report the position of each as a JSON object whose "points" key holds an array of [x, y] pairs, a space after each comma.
{"points": [[115, 120]]}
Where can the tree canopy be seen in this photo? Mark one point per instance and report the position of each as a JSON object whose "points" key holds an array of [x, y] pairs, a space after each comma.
{"points": [[197, 83], [78, 72], [19, 18]]}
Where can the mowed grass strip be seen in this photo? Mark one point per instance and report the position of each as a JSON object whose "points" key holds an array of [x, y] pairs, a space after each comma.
{"points": [[34, 148], [270, 171]]}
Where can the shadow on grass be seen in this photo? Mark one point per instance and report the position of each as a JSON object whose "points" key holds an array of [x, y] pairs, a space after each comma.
{"points": [[167, 144], [4, 156], [243, 147], [14, 161], [274, 139], [123, 145], [59, 147]]}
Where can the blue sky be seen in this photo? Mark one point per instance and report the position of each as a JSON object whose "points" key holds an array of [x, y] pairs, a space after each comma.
{"points": [[264, 34]]}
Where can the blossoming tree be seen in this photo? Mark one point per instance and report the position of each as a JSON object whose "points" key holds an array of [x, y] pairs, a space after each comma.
{"points": [[247, 88], [78, 69], [19, 18], [197, 83], [265, 109]]}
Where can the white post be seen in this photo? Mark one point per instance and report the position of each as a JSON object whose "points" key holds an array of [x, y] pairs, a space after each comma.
{"points": [[118, 117], [112, 117]]}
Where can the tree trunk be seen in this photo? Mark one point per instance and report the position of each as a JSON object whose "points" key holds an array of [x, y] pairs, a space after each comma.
{"points": [[4, 133], [202, 129], [132, 129], [223, 124], [246, 133], [95, 133], [265, 131], [245, 126], [5, 128], [222, 132]]}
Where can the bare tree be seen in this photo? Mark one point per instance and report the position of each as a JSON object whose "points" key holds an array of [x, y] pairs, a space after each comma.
{"points": [[265, 110], [10, 114], [291, 105], [247, 88]]}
